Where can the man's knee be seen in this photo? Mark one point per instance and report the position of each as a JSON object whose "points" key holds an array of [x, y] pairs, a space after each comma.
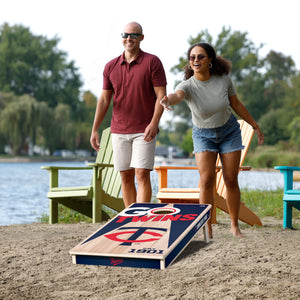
{"points": [[142, 175], [127, 176]]}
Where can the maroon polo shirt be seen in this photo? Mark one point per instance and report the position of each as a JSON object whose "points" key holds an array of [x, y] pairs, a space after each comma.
{"points": [[134, 96]]}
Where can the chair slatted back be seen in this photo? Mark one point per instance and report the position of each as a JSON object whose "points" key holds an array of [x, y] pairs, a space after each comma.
{"points": [[247, 134], [111, 179]]}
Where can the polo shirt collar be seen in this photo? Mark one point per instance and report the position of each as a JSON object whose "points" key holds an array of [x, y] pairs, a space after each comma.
{"points": [[136, 60]]}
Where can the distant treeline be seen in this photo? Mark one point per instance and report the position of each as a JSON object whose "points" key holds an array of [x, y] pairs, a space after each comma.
{"points": [[42, 105]]}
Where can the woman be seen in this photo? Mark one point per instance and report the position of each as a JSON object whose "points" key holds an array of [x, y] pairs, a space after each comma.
{"points": [[210, 95]]}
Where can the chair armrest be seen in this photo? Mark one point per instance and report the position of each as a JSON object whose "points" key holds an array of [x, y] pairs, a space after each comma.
{"points": [[163, 173], [50, 168], [175, 168], [54, 171], [287, 172], [245, 168], [287, 168], [100, 165]]}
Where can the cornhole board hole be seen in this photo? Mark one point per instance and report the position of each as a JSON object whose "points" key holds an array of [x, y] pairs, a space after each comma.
{"points": [[144, 235]]}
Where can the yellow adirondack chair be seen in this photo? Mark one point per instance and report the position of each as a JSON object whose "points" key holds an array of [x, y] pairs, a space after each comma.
{"points": [[89, 200], [191, 195]]}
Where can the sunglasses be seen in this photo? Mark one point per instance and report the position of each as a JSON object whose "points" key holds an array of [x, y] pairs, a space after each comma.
{"points": [[199, 57], [132, 35]]}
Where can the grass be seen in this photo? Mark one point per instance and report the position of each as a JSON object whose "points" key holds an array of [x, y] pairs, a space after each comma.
{"points": [[67, 215], [264, 203]]}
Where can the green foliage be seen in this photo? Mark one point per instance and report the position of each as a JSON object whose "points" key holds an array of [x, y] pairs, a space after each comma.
{"points": [[274, 125], [270, 156], [294, 129], [34, 65], [19, 121], [291, 101], [250, 91], [40, 95], [278, 66], [66, 215], [187, 142]]}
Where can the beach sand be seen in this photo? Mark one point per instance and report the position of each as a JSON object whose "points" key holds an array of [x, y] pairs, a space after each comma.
{"points": [[35, 264]]}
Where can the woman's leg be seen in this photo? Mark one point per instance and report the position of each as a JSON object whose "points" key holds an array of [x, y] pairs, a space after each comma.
{"points": [[206, 163], [230, 164]]}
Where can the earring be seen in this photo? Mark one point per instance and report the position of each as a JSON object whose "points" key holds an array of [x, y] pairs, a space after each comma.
{"points": [[209, 65], [189, 67]]}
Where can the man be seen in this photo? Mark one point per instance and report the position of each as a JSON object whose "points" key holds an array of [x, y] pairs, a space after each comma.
{"points": [[137, 82]]}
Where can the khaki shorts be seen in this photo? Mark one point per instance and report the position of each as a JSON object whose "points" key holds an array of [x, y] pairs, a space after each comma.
{"points": [[132, 151]]}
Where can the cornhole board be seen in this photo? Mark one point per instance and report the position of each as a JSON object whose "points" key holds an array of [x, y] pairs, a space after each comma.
{"points": [[144, 235]]}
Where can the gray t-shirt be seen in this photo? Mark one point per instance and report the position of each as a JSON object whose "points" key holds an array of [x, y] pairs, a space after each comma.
{"points": [[208, 100]]}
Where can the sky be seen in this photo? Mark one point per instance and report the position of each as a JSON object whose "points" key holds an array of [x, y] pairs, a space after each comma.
{"points": [[90, 30]]}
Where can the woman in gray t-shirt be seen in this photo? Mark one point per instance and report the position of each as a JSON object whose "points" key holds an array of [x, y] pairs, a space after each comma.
{"points": [[210, 95]]}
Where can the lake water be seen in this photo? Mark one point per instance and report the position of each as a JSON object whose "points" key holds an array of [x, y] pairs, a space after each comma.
{"points": [[24, 186]]}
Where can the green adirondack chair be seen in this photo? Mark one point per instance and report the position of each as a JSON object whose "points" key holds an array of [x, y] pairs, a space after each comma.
{"points": [[89, 200]]}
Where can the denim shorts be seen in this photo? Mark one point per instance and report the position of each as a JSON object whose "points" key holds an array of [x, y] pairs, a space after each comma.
{"points": [[224, 139]]}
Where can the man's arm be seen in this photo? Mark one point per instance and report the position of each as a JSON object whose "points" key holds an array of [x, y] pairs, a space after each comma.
{"points": [[101, 110], [152, 129]]}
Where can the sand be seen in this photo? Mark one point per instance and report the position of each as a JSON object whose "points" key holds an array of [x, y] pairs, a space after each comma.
{"points": [[35, 264]]}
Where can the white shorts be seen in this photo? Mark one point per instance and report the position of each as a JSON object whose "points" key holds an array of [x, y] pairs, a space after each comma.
{"points": [[132, 151]]}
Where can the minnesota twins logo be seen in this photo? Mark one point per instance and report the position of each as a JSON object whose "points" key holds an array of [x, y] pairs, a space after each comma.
{"points": [[137, 235]]}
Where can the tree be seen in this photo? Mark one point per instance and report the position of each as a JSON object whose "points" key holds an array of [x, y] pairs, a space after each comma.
{"points": [[294, 128], [291, 100], [279, 69], [34, 65], [19, 121], [274, 126], [278, 66], [187, 142]]}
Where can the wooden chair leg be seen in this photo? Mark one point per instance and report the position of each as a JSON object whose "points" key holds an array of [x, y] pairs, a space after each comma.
{"points": [[287, 215], [214, 215], [53, 212]]}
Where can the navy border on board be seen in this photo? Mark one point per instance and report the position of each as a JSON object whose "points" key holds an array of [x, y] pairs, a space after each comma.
{"points": [[185, 241]]}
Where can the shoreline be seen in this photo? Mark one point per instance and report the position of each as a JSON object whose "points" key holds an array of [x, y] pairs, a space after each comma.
{"points": [[177, 161], [20, 159]]}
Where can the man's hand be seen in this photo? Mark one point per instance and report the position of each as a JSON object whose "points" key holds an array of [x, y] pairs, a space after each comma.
{"points": [[94, 140], [150, 133]]}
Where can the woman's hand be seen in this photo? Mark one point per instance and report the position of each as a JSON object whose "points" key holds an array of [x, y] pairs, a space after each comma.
{"points": [[260, 136], [165, 103]]}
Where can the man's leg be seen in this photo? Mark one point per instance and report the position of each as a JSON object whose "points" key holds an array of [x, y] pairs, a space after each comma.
{"points": [[122, 149], [144, 185], [128, 187], [143, 162]]}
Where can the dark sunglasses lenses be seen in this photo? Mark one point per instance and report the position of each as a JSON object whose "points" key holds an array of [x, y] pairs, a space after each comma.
{"points": [[199, 57], [132, 35]]}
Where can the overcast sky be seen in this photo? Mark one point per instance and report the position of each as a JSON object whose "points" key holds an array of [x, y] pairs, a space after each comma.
{"points": [[90, 30]]}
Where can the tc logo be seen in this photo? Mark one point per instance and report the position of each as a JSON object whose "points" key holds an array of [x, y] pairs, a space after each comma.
{"points": [[136, 233]]}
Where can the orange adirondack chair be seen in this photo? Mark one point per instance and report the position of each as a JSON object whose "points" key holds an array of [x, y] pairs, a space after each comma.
{"points": [[191, 195]]}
